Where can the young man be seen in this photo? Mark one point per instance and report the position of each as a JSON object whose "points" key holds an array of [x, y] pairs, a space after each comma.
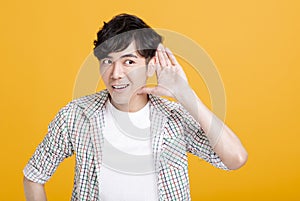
{"points": [[129, 51]]}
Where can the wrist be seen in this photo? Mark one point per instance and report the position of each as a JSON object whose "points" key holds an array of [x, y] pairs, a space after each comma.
{"points": [[184, 93]]}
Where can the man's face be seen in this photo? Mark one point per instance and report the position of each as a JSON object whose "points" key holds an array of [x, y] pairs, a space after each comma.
{"points": [[123, 74]]}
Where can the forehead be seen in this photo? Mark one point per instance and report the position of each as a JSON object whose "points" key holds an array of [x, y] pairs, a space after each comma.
{"points": [[131, 49]]}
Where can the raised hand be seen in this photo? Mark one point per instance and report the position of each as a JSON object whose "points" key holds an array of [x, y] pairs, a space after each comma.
{"points": [[171, 79]]}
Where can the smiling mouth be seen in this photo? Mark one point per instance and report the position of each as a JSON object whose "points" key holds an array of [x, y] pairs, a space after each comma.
{"points": [[121, 86]]}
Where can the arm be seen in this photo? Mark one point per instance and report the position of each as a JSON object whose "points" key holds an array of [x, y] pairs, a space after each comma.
{"points": [[55, 147], [172, 82], [34, 191], [223, 140]]}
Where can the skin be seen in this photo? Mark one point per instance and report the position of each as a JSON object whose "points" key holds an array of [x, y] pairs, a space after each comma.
{"points": [[125, 68], [125, 73], [34, 191]]}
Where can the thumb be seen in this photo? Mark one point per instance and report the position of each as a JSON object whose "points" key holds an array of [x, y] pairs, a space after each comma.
{"points": [[148, 90]]}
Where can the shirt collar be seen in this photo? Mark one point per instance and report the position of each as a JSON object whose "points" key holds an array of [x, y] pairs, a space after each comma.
{"points": [[162, 105]]}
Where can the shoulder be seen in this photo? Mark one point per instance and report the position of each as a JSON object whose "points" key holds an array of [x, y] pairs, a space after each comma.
{"points": [[174, 111], [85, 105], [166, 106], [86, 101]]}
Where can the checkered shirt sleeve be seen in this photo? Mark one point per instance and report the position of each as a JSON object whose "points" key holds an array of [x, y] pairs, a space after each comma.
{"points": [[55, 147], [198, 143]]}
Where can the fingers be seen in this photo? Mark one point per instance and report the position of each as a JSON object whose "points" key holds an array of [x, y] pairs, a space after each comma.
{"points": [[163, 58], [157, 64], [158, 91], [148, 90], [171, 56]]}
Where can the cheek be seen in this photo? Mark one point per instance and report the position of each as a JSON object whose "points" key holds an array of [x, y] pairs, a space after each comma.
{"points": [[105, 74], [138, 75]]}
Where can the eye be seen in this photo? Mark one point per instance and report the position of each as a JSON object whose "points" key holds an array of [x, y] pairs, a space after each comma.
{"points": [[106, 62], [129, 62]]}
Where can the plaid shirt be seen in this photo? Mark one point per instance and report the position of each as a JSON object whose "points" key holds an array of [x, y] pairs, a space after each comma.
{"points": [[77, 128]]}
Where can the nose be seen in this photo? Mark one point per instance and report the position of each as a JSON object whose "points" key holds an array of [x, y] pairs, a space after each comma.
{"points": [[117, 71]]}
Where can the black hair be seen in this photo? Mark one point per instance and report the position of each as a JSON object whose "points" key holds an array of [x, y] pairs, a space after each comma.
{"points": [[120, 31]]}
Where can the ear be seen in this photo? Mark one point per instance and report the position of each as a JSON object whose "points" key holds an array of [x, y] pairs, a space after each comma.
{"points": [[151, 67]]}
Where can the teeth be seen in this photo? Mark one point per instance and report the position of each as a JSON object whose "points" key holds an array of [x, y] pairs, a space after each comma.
{"points": [[119, 86]]}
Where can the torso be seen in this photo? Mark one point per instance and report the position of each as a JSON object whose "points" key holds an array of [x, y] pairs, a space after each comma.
{"points": [[127, 170]]}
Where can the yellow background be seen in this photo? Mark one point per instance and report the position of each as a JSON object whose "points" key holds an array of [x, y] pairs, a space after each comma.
{"points": [[255, 45]]}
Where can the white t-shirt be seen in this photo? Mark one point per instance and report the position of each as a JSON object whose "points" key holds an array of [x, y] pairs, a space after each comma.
{"points": [[127, 172]]}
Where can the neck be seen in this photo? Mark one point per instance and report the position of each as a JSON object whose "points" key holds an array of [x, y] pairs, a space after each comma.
{"points": [[134, 105]]}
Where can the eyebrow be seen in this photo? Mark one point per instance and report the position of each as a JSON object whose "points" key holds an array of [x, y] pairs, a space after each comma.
{"points": [[129, 55], [123, 56]]}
